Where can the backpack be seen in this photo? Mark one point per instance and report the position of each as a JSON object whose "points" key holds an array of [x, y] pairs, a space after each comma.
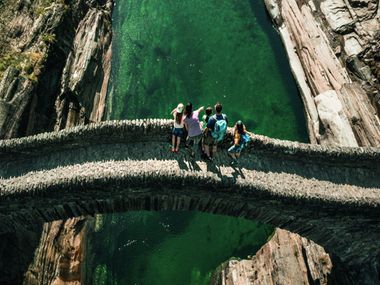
{"points": [[220, 130], [245, 139]]}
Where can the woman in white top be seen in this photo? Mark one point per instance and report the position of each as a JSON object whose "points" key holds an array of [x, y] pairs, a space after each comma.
{"points": [[177, 131]]}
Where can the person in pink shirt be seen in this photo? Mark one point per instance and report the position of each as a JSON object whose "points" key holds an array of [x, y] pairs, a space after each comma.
{"points": [[193, 127]]}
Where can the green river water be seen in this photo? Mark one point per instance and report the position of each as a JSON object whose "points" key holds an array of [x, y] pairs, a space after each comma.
{"points": [[203, 51]]}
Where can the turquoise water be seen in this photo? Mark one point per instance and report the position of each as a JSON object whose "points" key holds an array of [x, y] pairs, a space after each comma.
{"points": [[203, 51], [169, 247]]}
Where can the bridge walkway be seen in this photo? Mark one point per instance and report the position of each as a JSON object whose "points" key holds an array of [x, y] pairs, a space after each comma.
{"points": [[287, 178]]}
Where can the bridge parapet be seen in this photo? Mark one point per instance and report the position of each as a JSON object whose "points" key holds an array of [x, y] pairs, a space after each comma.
{"points": [[126, 131]]}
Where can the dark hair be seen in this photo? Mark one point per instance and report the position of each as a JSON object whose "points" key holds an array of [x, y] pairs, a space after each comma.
{"points": [[240, 127], [189, 109], [218, 107], [208, 114], [178, 117]]}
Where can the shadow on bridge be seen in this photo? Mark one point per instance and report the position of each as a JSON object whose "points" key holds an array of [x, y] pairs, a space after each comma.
{"points": [[254, 159]]}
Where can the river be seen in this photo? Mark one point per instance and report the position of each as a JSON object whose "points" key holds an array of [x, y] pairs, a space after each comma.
{"points": [[202, 51]]}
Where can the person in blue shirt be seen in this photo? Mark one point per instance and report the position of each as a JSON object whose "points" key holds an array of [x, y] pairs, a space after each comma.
{"points": [[215, 131]]}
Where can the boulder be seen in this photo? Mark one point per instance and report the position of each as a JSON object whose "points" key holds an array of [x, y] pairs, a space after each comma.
{"points": [[286, 258], [352, 45], [336, 126], [338, 16]]}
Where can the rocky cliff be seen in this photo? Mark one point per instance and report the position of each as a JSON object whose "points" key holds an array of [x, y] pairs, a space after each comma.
{"points": [[60, 254], [54, 64], [286, 259], [54, 70], [332, 47]]}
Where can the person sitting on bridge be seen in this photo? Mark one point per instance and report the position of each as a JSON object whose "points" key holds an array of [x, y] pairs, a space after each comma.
{"points": [[177, 132], [193, 127], [241, 138], [215, 131]]}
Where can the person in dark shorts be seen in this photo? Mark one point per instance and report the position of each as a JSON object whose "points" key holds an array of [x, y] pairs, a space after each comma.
{"points": [[215, 131], [177, 131]]}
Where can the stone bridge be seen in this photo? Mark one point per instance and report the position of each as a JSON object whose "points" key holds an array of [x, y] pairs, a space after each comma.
{"points": [[328, 194]]}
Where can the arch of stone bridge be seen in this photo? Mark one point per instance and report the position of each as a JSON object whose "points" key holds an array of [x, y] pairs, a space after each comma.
{"points": [[351, 235], [125, 165]]}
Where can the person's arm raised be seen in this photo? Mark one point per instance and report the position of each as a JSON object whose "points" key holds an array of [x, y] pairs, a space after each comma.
{"points": [[200, 109]]}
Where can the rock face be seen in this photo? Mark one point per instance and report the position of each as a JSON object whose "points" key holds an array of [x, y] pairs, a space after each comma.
{"points": [[59, 257], [53, 50], [54, 70], [85, 76], [338, 16], [16, 252], [286, 259], [333, 47], [331, 114]]}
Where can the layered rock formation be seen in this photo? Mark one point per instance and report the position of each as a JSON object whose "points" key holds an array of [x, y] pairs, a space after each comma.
{"points": [[54, 64], [17, 251], [286, 259], [59, 257], [332, 48], [54, 70]]}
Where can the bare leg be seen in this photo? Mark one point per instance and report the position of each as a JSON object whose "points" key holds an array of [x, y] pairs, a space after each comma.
{"points": [[214, 149], [207, 150], [178, 142], [173, 142]]}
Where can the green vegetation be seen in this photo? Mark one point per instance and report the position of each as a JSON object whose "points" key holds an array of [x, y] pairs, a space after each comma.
{"points": [[48, 38], [29, 63], [11, 59], [42, 5]]}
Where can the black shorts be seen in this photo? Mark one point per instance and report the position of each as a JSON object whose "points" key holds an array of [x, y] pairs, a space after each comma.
{"points": [[208, 140]]}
